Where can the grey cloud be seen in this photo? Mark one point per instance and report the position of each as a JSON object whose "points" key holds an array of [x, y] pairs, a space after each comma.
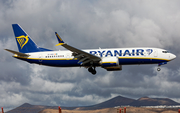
{"points": [[88, 24]]}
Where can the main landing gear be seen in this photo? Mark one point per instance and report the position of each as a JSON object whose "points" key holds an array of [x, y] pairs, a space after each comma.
{"points": [[92, 70]]}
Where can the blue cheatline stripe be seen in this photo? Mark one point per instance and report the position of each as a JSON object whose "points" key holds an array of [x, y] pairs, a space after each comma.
{"points": [[70, 63], [140, 61], [108, 64]]}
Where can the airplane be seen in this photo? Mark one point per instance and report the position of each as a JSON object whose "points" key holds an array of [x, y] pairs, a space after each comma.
{"points": [[110, 59]]}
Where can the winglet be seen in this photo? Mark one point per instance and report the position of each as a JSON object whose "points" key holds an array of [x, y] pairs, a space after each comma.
{"points": [[61, 42]]}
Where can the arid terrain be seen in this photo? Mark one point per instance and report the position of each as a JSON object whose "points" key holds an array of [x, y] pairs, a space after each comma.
{"points": [[115, 110], [107, 106]]}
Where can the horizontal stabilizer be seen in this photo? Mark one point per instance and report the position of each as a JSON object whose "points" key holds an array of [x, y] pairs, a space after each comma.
{"points": [[17, 53]]}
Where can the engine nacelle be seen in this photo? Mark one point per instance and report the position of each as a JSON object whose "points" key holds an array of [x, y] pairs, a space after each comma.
{"points": [[111, 63]]}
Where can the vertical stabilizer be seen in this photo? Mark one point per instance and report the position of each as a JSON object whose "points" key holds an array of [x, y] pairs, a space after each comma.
{"points": [[24, 42]]}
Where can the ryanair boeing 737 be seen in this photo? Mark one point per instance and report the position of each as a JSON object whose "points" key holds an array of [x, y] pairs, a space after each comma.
{"points": [[109, 59]]}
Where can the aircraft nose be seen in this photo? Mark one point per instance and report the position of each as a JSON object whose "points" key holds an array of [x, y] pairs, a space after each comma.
{"points": [[172, 56]]}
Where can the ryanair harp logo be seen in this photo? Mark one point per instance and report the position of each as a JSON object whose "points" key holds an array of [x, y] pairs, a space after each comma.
{"points": [[22, 40], [149, 51]]}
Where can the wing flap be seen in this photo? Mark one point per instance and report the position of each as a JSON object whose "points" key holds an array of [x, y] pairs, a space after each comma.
{"points": [[82, 56]]}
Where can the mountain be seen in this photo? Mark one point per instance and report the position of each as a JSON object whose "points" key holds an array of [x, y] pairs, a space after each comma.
{"points": [[28, 108], [117, 101], [123, 101], [146, 101]]}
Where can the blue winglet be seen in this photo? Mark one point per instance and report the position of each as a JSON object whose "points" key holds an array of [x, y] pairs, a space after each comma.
{"points": [[61, 42]]}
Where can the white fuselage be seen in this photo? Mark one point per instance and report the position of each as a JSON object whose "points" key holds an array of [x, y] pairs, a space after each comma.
{"points": [[126, 56]]}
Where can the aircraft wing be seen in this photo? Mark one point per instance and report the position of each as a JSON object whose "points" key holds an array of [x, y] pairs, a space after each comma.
{"points": [[17, 53], [82, 56]]}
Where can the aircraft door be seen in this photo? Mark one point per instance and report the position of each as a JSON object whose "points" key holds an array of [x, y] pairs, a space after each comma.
{"points": [[40, 57], [68, 56], [155, 53]]}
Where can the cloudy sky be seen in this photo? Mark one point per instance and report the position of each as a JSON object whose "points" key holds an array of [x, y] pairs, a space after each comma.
{"points": [[88, 24]]}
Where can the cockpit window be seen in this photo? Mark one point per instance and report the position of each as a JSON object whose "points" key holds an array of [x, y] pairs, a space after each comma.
{"points": [[165, 51]]}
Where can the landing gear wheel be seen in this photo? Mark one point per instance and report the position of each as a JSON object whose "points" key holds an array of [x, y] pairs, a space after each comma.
{"points": [[158, 69], [91, 70]]}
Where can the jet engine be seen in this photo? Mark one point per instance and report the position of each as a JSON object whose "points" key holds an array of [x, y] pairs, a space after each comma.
{"points": [[110, 63]]}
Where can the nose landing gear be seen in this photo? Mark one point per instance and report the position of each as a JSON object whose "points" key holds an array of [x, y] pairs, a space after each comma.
{"points": [[92, 70], [162, 63], [158, 69]]}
